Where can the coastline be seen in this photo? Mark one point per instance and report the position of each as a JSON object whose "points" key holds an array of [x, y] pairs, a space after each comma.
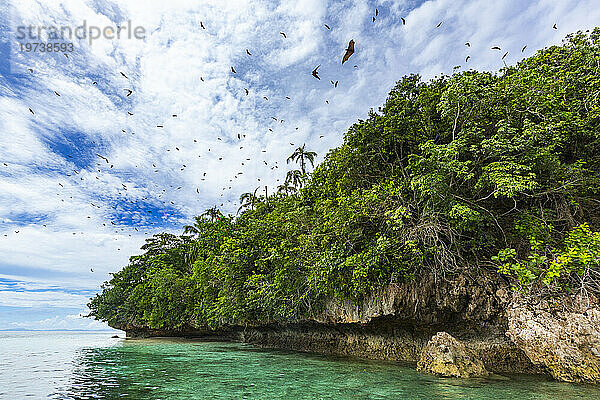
{"points": [[456, 228], [478, 314], [95, 366], [377, 340]]}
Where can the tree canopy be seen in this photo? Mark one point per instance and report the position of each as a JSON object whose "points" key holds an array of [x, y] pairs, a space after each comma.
{"points": [[463, 172]]}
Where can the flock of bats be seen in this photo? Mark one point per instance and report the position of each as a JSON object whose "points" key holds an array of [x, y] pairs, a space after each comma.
{"points": [[349, 51]]}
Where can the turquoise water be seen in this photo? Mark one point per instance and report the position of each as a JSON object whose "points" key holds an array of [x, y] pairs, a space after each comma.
{"points": [[59, 365]]}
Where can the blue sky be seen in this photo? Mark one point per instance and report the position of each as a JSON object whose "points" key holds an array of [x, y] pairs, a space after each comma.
{"points": [[64, 210]]}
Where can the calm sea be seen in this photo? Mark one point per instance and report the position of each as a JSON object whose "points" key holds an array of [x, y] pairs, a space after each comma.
{"points": [[75, 365]]}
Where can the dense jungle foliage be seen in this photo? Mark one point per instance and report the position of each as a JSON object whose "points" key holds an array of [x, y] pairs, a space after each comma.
{"points": [[469, 171]]}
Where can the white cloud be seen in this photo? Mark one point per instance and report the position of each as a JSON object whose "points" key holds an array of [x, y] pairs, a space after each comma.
{"points": [[58, 322], [41, 299]]}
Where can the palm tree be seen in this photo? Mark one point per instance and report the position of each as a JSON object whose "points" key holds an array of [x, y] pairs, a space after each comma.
{"points": [[295, 177], [301, 155], [213, 213], [248, 200], [193, 230], [285, 188]]}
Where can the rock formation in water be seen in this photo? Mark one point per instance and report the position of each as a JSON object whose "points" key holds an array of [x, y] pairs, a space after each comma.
{"points": [[446, 356]]}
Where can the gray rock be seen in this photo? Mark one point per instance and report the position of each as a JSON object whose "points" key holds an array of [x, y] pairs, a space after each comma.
{"points": [[446, 356], [565, 343]]}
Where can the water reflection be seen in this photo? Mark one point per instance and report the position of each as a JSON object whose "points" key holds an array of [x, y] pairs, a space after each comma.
{"points": [[180, 369], [116, 372]]}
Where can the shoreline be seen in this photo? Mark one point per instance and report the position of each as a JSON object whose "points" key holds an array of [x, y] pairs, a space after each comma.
{"points": [[371, 341], [460, 327]]}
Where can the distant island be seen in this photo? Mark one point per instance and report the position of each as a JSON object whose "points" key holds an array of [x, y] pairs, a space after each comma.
{"points": [[458, 228]]}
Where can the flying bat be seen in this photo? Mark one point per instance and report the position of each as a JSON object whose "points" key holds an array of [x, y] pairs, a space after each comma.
{"points": [[315, 72], [349, 51]]}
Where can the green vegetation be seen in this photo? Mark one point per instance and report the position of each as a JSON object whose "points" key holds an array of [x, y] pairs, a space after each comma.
{"points": [[469, 171]]}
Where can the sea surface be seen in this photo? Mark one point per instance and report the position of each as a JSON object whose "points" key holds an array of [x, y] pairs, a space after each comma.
{"points": [[78, 365]]}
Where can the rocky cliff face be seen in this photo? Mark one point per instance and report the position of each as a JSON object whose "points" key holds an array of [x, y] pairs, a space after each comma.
{"points": [[397, 322], [484, 319], [469, 305], [566, 343]]}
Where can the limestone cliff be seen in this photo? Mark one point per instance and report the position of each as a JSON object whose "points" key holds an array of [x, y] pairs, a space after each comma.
{"points": [[564, 342], [481, 314]]}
